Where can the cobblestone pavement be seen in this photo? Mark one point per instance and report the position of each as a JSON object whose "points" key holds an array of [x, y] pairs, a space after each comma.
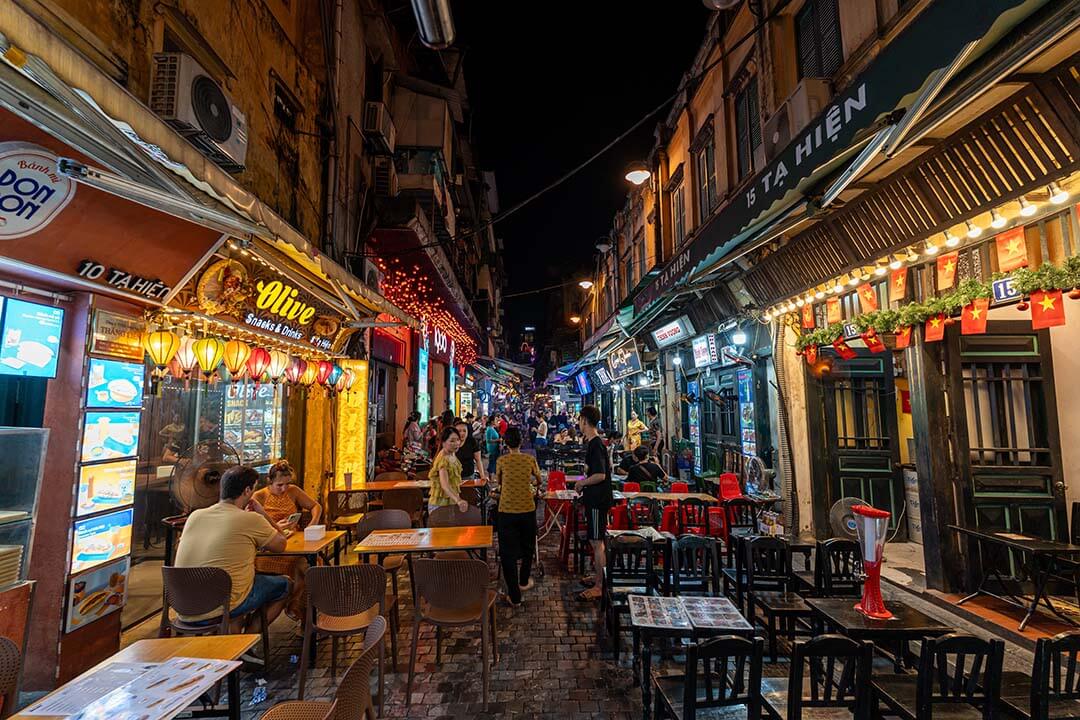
{"points": [[551, 663]]}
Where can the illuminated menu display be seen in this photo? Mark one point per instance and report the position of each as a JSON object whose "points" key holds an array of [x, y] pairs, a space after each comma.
{"points": [[30, 342], [114, 384], [106, 486], [581, 381], [100, 539], [705, 350]]}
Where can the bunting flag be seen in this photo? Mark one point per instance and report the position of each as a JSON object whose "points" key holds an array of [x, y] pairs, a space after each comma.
{"points": [[973, 317], [832, 311], [873, 341], [903, 337], [867, 298], [946, 270], [935, 329], [1047, 309], [898, 284], [843, 349], [1011, 250], [808, 316], [811, 354]]}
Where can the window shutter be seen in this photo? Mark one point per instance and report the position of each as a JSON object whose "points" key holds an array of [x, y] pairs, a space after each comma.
{"points": [[753, 113], [832, 50], [806, 41]]}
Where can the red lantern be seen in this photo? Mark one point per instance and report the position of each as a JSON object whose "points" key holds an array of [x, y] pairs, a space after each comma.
{"points": [[296, 370], [325, 368], [257, 363]]}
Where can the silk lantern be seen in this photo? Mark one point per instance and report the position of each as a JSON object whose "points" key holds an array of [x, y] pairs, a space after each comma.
{"points": [[176, 369], [161, 346], [344, 381], [185, 356], [295, 372], [323, 370], [335, 374], [257, 363], [208, 353], [235, 357], [311, 374], [279, 363]]}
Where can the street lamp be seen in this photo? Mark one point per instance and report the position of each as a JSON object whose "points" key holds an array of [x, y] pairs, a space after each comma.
{"points": [[575, 319], [637, 172], [585, 284]]}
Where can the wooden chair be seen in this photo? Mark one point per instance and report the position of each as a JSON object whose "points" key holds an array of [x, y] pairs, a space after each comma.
{"points": [[10, 673], [391, 476], [194, 591], [740, 518], [724, 672], [343, 601], [958, 674], [838, 568], [411, 500], [643, 512], [768, 572], [1053, 688], [695, 564], [450, 516], [386, 520], [345, 510], [451, 594], [838, 681], [693, 516], [629, 571]]}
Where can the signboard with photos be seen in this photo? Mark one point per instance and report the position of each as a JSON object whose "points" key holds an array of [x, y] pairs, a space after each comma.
{"points": [[624, 360]]}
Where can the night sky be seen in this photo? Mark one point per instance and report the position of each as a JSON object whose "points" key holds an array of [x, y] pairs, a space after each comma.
{"points": [[549, 84]]}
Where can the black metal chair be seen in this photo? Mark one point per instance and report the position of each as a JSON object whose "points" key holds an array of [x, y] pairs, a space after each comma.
{"points": [[719, 673], [959, 674], [741, 516], [693, 517], [629, 571], [838, 568], [768, 574], [1053, 688], [695, 564], [837, 685]]}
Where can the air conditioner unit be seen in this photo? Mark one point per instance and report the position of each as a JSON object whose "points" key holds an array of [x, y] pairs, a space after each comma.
{"points": [[379, 127], [806, 103], [188, 99], [386, 180]]}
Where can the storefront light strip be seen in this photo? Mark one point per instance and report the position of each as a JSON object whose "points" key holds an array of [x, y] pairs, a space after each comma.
{"points": [[177, 316]]}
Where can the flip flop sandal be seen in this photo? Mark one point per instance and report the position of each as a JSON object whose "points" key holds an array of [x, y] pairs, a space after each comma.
{"points": [[581, 597]]}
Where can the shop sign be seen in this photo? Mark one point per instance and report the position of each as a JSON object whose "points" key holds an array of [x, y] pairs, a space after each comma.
{"points": [[851, 332], [441, 346], [705, 350], [624, 360], [1004, 292], [32, 191], [123, 280], [674, 331], [117, 335], [603, 376]]}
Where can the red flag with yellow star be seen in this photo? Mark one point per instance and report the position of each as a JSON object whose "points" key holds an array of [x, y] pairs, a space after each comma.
{"points": [[973, 317], [843, 349], [867, 298], [903, 337], [898, 284], [946, 270], [808, 316], [1047, 309], [935, 329], [811, 354], [873, 341], [1011, 250], [832, 311]]}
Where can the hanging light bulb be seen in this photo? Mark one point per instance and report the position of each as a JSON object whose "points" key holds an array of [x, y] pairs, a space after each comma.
{"points": [[931, 248], [973, 230], [838, 287], [235, 356], [791, 307], [912, 256], [161, 347], [295, 372], [820, 294], [997, 220], [257, 363], [279, 363], [1027, 209], [800, 302], [853, 280], [208, 353], [951, 240], [896, 263], [1057, 194]]}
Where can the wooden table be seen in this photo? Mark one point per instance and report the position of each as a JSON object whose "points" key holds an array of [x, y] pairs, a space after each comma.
{"points": [[295, 544], [209, 647], [384, 485], [468, 537], [1046, 556], [665, 496], [907, 624]]}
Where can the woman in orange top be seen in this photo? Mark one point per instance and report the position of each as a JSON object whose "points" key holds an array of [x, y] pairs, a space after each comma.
{"points": [[281, 500]]}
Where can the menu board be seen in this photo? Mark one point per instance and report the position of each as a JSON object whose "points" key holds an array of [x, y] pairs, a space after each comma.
{"points": [[101, 539], [30, 341], [105, 486], [114, 384], [694, 421], [252, 422], [97, 593], [705, 350], [745, 380], [110, 435]]}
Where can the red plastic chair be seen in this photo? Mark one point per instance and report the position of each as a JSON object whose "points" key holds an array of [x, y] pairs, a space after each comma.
{"points": [[729, 489], [556, 481], [671, 521], [631, 487], [729, 486], [680, 487]]}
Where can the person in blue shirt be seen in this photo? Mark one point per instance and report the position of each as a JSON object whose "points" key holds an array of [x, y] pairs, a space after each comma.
{"points": [[493, 441]]}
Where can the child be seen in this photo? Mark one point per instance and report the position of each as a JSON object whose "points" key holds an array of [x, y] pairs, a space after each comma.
{"points": [[446, 488], [516, 475]]}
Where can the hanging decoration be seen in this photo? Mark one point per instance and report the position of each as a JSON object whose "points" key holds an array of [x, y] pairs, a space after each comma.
{"points": [[946, 270], [344, 381], [311, 374], [1011, 250], [811, 354], [808, 316], [161, 346], [295, 372], [873, 341], [185, 356], [973, 317], [335, 374], [1047, 309], [322, 371], [208, 353], [843, 349], [935, 328], [832, 311], [868, 301], [279, 363], [257, 363], [898, 284], [235, 356], [903, 337]]}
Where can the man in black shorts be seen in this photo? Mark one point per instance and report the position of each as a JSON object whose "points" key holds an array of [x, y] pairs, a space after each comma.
{"points": [[596, 493]]}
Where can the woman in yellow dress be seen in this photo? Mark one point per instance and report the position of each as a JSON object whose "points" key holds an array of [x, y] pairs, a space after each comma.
{"points": [[281, 500], [634, 428]]}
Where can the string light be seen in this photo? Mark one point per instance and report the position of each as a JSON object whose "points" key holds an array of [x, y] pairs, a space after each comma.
{"points": [[931, 248], [1057, 195], [997, 220], [896, 263]]}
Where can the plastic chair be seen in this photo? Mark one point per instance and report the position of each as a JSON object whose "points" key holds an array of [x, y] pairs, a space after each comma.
{"points": [[680, 487], [628, 487], [195, 591], [729, 489], [556, 481], [342, 602], [10, 671], [386, 520], [450, 594]]}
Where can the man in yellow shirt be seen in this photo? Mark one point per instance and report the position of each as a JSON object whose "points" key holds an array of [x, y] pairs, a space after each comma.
{"points": [[227, 535]]}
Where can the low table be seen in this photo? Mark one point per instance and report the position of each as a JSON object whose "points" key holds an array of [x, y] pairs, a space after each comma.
{"points": [[906, 624]]}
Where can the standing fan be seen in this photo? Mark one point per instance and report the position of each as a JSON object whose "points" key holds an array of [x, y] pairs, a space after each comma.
{"points": [[757, 476], [842, 520], [196, 477]]}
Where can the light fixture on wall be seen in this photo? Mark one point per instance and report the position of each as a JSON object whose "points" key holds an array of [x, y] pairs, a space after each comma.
{"points": [[997, 220], [951, 240], [637, 172], [1027, 209], [1057, 194], [738, 337], [931, 248], [973, 230]]}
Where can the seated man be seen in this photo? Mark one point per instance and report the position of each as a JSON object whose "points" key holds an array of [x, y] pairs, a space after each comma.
{"points": [[645, 470], [227, 535]]}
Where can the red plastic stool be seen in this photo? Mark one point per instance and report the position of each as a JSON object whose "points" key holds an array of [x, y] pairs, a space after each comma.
{"points": [[670, 520], [620, 517], [680, 487]]}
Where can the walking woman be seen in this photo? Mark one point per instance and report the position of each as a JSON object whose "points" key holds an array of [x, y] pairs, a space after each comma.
{"points": [[446, 473], [518, 476], [492, 440]]}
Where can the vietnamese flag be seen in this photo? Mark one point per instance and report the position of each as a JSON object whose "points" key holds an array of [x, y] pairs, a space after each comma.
{"points": [[808, 316], [873, 341], [973, 317], [867, 298], [898, 284], [832, 311], [843, 349], [946, 270], [903, 337], [1047, 309], [935, 329], [811, 354], [1011, 250]]}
